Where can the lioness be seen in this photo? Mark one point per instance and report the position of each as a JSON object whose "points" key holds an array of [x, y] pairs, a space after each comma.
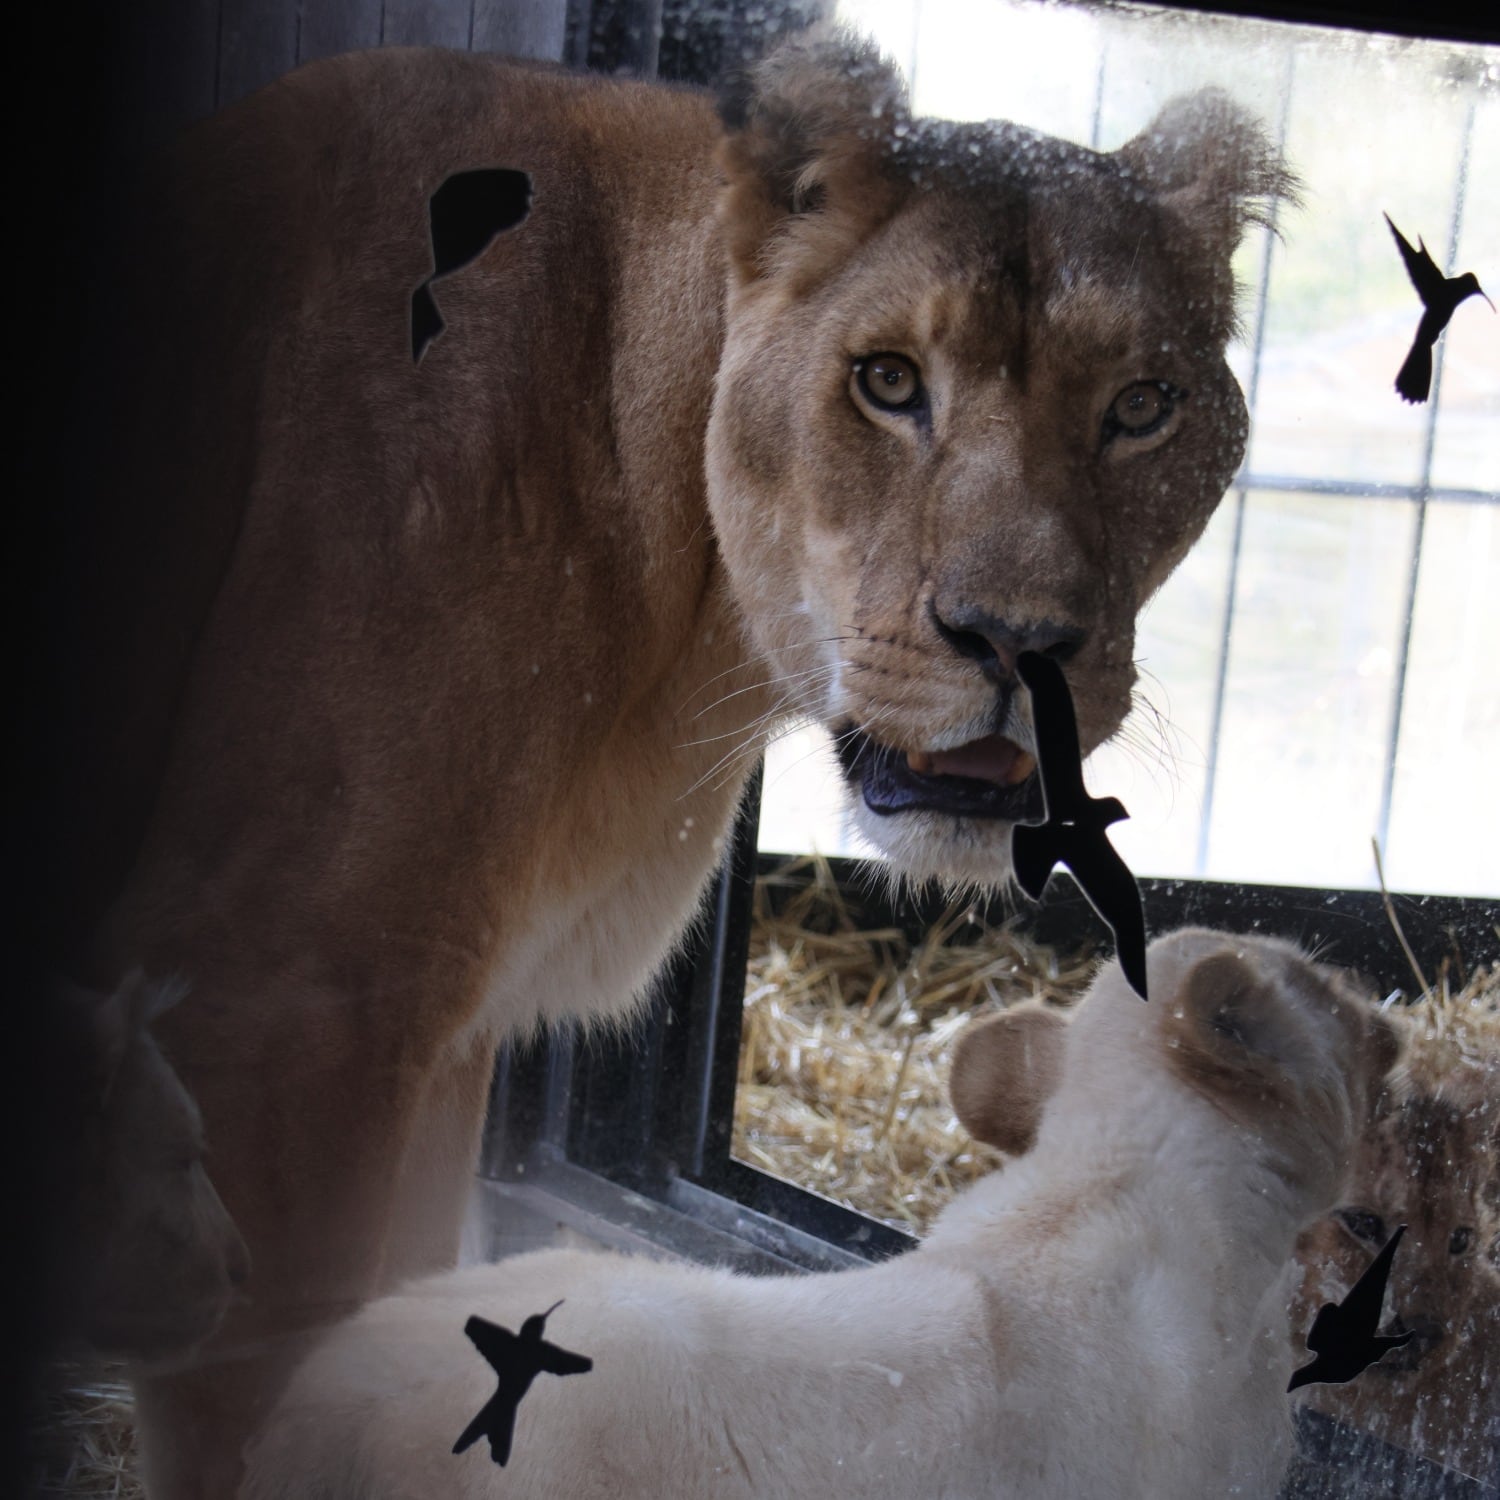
{"points": [[435, 684]]}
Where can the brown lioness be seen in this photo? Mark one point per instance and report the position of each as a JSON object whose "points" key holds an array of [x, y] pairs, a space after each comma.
{"points": [[445, 676]]}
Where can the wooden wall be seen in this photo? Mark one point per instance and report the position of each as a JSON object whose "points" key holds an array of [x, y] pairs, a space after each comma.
{"points": [[180, 60]]}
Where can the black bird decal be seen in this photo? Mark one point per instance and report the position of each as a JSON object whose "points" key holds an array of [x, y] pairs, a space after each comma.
{"points": [[1440, 296], [517, 1360], [464, 215], [1073, 831], [1343, 1334]]}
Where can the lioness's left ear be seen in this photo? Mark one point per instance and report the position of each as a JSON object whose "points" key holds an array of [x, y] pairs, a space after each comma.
{"points": [[810, 131], [1210, 163], [1005, 1068]]}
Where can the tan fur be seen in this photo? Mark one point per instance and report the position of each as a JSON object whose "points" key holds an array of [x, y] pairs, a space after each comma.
{"points": [[431, 689]]}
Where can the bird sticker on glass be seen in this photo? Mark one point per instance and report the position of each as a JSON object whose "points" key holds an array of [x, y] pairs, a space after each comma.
{"points": [[517, 1359], [1440, 298], [1073, 831], [1343, 1335]]}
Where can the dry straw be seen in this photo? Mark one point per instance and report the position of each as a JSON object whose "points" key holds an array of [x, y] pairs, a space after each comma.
{"points": [[848, 1035], [86, 1436]]}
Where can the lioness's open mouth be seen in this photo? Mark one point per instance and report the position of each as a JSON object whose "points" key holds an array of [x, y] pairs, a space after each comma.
{"points": [[991, 777]]}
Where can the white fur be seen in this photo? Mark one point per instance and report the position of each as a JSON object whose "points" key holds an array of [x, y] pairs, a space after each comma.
{"points": [[1103, 1318]]}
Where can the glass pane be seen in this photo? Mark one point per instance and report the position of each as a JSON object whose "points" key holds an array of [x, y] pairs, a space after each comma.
{"points": [[1158, 765], [1341, 311], [802, 804], [1309, 689], [1044, 62], [1467, 441], [1445, 811]]}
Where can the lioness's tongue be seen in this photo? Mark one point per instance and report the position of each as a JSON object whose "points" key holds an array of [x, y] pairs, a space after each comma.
{"points": [[994, 758]]}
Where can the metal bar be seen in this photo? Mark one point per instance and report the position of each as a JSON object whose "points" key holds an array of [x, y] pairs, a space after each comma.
{"points": [[1351, 926], [1357, 489], [1221, 675], [557, 1106], [915, 45], [713, 1064], [1446, 20], [1221, 678], [1098, 120], [1424, 494]]}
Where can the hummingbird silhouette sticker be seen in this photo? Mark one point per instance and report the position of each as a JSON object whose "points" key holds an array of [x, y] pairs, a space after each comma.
{"points": [[1440, 296], [464, 216], [517, 1359], [1343, 1334], [1072, 832]]}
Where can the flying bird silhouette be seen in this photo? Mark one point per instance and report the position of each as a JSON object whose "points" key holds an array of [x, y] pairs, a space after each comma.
{"points": [[1343, 1334], [1073, 830], [517, 1359], [464, 215], [1440, 296]]}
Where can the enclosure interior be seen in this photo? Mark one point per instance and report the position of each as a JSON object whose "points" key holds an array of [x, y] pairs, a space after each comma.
{"points": [[1314, 745]]}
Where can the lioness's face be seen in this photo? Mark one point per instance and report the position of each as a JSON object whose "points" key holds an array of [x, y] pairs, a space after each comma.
{"points": [[989, 418]]}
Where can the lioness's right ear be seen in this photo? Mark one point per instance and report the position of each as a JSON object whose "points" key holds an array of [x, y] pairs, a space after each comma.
{"points": [[810, 131], [1005, 1069], [1212, 166], [1212, 163]]}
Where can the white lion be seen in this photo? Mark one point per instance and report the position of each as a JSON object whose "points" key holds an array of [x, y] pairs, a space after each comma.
{"points": [[1103, 1318]]}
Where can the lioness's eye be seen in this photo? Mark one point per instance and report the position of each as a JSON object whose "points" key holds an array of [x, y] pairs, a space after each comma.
{"points": [[1460, 1240], [1141, 408], [1363, 1224], [889, 381]]}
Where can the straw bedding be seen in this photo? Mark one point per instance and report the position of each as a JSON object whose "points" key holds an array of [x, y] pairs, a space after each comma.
{"points": [[848, 1036], [85, 1438]]}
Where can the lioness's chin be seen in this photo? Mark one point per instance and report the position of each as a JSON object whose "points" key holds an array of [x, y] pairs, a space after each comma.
{"points": [[946, 814], [924, 845]]}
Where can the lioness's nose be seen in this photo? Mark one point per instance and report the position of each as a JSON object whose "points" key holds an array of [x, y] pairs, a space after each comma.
{"points": [[995, 643]]}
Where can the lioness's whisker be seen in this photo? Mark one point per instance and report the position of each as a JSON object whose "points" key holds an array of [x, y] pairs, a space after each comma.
{"points": [[751, 744], [746, 666], [743, 666], [785, 706], [825, 669]]}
